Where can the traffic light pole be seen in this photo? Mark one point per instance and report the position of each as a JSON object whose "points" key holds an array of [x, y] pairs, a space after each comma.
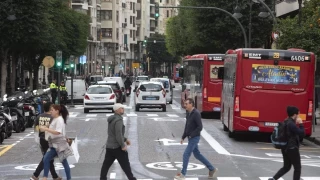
{"points": [[72, 74], [214, 8], [59, 96]]}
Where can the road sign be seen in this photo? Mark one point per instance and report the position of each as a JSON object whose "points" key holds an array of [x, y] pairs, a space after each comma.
{"points": [[48, 62], [174, 166], [169, 142], [275, 35], [135, 65]]}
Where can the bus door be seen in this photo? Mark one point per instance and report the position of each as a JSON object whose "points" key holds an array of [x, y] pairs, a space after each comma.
{"points": [[271, 82], [213, 88]]}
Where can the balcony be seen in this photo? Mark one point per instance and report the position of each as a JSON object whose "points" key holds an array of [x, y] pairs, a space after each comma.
{"points": [[90, 3], [138, 22], [152, 28], [99, 3]]}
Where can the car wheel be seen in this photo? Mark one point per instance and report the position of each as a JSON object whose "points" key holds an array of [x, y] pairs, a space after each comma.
{"points": [[86, 110], [164, 108], [137, 108], [17, 127]]}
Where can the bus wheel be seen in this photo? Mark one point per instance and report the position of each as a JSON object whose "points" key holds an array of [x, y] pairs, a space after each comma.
{"points": [[231, 134], [225, 128]]}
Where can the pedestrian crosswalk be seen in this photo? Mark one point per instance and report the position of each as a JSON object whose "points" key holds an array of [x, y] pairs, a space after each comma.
{"points": [[172, 106], [231, 178], [129, 114]]}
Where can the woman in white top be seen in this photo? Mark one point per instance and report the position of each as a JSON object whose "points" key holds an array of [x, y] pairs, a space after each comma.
{"points": [[56, 130]]}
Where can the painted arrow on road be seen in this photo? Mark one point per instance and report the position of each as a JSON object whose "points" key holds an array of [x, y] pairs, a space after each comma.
{"points": [[169, 142]]}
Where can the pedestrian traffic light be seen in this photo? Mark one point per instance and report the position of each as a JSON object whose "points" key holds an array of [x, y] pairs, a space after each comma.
{"points": [[59, 63], [145, 43], [65, 68], [102, 67], [156, 15], [109, 67]]}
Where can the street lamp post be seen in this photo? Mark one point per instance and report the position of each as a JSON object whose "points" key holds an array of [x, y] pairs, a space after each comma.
{"points": [[215, 8], [59, 64], [72, 74]]}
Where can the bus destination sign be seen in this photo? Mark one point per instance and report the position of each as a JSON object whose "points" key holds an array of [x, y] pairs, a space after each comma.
{"points": [[281, 55], [215, 57]]}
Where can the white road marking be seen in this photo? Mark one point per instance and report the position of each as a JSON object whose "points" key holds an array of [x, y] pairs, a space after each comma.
{"points": [[266, 178], [91, 115], [130, 115], [310, 178], [228, 178], [192, 178], [152, 115], [87, 119], [72, 114], [109, 115], [172, 115], [112, 175], [175, 107], [213, 143], [28, 134]]}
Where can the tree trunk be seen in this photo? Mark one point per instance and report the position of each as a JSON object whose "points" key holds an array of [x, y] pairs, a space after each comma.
{"points": [[13, 74], [36, 77], [3, 71]]}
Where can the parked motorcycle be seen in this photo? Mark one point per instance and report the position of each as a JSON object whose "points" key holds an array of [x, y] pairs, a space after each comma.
{"points": [[5, 114], [14, 102], [3, 129]]}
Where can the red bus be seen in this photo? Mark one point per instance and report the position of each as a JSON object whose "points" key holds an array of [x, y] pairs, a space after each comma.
{"points": [[259, 84], [201, 82], [175, 75]]}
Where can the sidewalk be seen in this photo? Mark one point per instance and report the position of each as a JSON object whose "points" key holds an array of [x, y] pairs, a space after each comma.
{"points": [[315, 137]]}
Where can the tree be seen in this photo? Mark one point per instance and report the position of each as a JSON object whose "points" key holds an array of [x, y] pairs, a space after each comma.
{"points": [[212, 31], [305, 35]]}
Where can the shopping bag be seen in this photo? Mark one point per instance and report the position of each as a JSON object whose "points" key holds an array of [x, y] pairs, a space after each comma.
{"points": [[74, 146]]}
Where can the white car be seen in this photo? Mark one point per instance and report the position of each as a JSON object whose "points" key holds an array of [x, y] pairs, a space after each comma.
{"points": [[140, 79], [150, 95], [99, 97], [167, 86]]}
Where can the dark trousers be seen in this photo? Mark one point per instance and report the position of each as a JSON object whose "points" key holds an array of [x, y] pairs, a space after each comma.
{"points": [[123, 159], [44, 148], [54, 97], [290, 157]]}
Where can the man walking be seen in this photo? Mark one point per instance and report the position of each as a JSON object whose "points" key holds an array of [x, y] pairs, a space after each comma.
{"points": [[291, 154], [192, 131], [116, 144], [44, 120], [54, 91]]}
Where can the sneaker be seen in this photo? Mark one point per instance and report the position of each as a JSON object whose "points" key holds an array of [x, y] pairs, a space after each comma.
{"points": [[58, 178], [34, 178], [211, 173], [179, 176], [271, 179]]}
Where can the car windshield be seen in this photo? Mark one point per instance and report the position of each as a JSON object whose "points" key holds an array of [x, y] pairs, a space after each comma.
{"points": [[99, 90], [150, 87], [164, 82]]}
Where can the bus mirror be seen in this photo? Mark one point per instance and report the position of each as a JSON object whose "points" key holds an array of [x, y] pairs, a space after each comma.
{"points": [[220, 72]]}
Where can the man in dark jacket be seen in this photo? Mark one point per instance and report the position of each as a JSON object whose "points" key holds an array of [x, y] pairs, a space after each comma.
{"points": [[291, 154], [192, 130], [116, 144]]}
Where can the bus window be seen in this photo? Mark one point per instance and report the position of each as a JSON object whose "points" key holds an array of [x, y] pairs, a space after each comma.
{"points": [[220, 72]]}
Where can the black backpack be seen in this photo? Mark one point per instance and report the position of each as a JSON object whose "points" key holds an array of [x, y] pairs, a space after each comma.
{"points": [[279, 137]]}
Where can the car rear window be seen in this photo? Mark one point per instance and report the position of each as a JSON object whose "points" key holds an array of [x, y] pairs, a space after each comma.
{"points": [[99, 90], [151, 87], [142, 78]]}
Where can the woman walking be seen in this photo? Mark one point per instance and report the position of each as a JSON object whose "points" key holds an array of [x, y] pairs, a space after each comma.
{"points": [[57, 141]]}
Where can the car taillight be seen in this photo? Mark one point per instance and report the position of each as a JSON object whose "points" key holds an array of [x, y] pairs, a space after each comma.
{"points": [[205, 92], [310, 108], [163, 92], [112, 96], [236, 104], [138, 92], [87, 97]]}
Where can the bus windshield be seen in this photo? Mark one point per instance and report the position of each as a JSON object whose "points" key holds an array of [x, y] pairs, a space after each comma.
{"points": [[193, 72]]}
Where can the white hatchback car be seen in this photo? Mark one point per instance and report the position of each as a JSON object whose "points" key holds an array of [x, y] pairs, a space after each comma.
{"points": [[99, 97], [150, 95]]}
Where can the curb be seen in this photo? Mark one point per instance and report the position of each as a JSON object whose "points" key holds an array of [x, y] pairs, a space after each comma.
{"points": [[314, 140]]}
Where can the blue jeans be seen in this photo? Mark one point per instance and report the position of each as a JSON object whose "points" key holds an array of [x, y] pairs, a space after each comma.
{"points": [[193, 147], [46, 161]]}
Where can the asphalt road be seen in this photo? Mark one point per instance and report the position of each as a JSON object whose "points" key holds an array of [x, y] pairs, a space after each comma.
{"points": [[155, 152]]}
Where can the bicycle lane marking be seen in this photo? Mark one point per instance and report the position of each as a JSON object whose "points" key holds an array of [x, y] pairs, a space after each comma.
{"points": [[5, 148]]}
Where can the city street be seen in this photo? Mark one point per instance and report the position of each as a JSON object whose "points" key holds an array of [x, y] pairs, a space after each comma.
{"points": [[155, 152]]}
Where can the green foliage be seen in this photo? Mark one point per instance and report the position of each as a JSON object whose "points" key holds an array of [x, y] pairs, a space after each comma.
{"points": [[305, 35], [158, 51], [196, 31]]}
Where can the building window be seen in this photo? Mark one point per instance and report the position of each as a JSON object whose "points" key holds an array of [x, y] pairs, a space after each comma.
{"points": [[134, 21], [131, 19], [134, 8], [117, 16], [134, 35], [117, 33], [168, 1], [130, 33], [106, 32], [130, 5], [105, 14], [125, 20], [106, 0], [168, 14]]}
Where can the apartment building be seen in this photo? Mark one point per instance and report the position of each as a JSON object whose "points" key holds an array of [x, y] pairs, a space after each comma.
{"points": [[286, 7]]}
